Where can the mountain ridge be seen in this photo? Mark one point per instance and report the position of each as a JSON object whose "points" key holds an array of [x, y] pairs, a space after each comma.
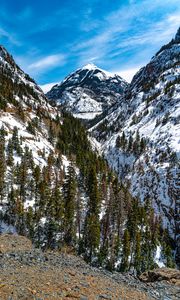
{"points": [[149, 117], [88, 90]]}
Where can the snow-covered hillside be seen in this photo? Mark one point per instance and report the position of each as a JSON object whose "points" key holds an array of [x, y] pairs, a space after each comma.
{"points": [[27, 144], [57, 190], [23, 105], [141, 137], [88, 92]]}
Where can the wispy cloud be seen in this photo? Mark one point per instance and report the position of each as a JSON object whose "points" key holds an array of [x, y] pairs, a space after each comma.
{"points": [[48, 62], [10, 37], [130, 28], [160, 33]]}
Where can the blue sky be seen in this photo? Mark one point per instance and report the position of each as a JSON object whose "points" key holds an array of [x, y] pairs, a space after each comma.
{"points": [[51, 38]]}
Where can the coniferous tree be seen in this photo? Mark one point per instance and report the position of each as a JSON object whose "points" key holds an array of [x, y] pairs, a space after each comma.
{"points": [[30, 222], [126, 251], [130, 142], [69, 191], [118, 142], [92, 224], [10, 159], [2, 163], [15, 141], [137, 255]]}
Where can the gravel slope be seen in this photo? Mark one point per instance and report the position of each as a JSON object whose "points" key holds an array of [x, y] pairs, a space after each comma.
{"points": [[27, 273]]}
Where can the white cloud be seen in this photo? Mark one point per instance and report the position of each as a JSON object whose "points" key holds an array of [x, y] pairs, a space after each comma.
{"points": [[114, 33], [46, 87], [161, 33], [127, 74], [9, 36], [48, 62]]}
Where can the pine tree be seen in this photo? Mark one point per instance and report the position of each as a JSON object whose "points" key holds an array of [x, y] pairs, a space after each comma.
{"points": [[142, 145], [92, 235], [137, 256], [169, 257], [130, 142], [10, 159], [126, 252], [51, 230], [2, 163], [92, 224], [15, 141], [30, 222], [70, 191], [93, 192], [123, 141], [118, 142]]}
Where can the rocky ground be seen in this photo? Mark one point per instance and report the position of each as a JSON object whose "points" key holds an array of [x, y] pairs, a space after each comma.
{"points": [[27, 273]]}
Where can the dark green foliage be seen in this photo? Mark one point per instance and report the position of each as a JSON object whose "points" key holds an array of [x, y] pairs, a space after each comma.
{"points": [[10, 158], [15, 141], [88, 210], [69, 191], [126, 252], [91, 236], [92, 224], [30, 128], [2, 163]]}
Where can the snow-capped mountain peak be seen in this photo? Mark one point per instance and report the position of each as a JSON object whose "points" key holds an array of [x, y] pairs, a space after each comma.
{"points": [[88, 91], [105, 74], [89, 66]]}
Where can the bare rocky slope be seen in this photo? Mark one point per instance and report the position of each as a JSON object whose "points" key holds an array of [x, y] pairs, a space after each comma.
{"points": [[29, 273]]}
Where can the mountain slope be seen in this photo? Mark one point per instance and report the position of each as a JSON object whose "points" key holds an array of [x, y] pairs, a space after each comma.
{"points": [[24, 106], [88, 92], [54, 275], [60, 193], [141, 137]]}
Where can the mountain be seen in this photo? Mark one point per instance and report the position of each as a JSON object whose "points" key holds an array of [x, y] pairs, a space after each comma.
{"points": [[140, 138], [59, 192], [88, 92], [24, 106]]}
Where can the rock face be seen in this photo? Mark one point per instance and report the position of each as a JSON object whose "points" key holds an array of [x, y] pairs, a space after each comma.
{"points": [[140, 136], [88, 92], [28, 273], [167, 274]]}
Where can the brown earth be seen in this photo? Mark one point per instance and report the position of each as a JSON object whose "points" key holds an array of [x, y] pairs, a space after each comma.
{"points": [[14, 243], [27, 273], [27, 282]]}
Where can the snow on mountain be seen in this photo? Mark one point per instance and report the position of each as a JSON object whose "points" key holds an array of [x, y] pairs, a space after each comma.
{"points": [[88, 92], [53, 187], [26, 114], [140, 136], [23, 104]]}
